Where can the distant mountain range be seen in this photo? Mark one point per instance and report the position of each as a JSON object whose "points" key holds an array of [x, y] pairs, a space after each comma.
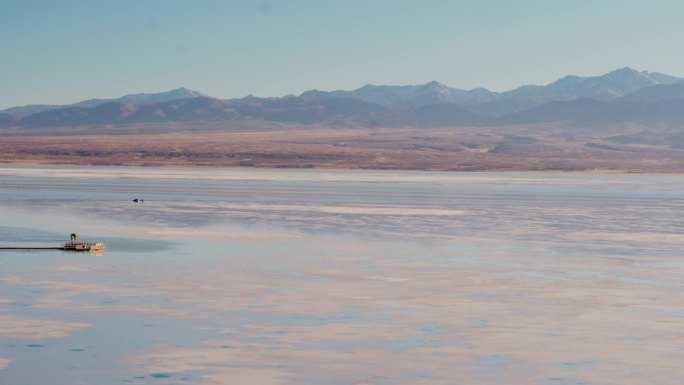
{"points": [[621, 96], [608, 87], [177, 94]]}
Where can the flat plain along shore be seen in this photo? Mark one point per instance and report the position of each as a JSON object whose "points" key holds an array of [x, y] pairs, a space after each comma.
{"points": [[265, 277], [540, 147]]}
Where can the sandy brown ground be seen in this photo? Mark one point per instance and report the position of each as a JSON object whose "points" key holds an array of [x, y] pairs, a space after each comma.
{"points": [[521, 148]]}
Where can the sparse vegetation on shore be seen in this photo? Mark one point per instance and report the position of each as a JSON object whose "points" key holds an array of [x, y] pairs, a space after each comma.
{"points": [[517, 148]]}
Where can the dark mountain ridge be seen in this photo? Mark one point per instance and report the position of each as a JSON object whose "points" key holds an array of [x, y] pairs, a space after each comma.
{"points": [[140, 98], [618, 97], [610, 86]]}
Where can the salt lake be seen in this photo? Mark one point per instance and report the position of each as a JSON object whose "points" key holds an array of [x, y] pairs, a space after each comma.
{"points": [[255, 276]]}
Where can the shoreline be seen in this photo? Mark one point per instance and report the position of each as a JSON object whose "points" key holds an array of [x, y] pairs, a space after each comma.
{"points": [[557, 149], [9, 164]]}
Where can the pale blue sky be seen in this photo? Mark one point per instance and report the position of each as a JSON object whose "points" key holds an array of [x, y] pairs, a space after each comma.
{"points": [[56, 52]]}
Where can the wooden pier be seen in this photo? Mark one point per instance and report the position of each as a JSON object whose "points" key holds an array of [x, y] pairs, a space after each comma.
{"points": [[72, 245]]}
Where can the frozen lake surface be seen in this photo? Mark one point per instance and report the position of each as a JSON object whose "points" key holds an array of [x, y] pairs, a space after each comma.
{"points": [[268, 277]]}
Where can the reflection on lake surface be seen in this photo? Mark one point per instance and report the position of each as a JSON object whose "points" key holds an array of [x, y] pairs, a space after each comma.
{"points": [[341, 277]]}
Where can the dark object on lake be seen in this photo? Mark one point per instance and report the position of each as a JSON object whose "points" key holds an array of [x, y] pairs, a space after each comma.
{"points": [[135, 200]]}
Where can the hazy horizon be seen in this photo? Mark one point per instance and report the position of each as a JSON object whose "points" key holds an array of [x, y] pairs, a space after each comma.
{"points": [[59, 53], [134, 92]]}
